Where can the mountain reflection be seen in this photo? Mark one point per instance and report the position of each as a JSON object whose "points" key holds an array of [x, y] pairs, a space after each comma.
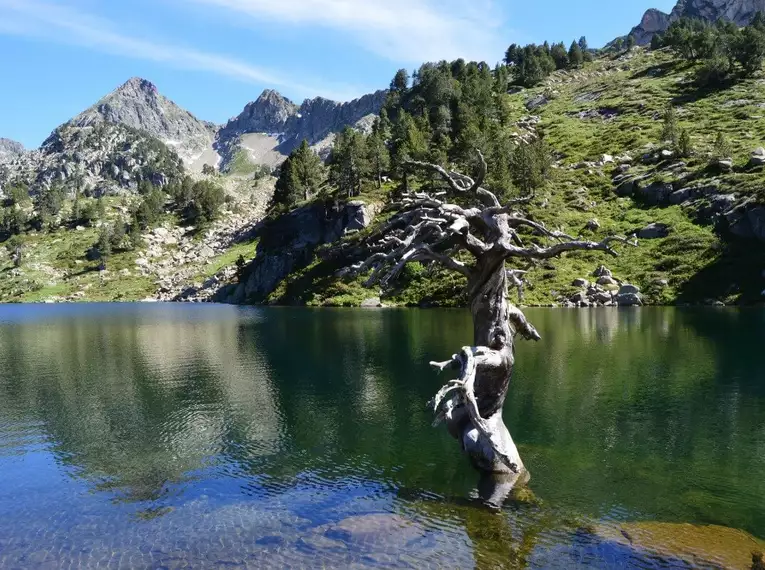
{"points": [[625, 414]]}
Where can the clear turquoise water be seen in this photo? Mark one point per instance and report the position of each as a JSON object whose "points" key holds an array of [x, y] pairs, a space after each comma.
{"points": [[163, 436]]}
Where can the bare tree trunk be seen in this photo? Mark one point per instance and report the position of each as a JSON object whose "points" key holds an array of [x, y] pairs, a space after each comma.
{"points": [[427, 229]]}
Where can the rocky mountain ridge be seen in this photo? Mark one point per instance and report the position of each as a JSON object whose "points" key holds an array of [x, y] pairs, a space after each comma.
{"points": [[740, 12], [135, 133], [286, 124], [10, 149], [138, 104]]}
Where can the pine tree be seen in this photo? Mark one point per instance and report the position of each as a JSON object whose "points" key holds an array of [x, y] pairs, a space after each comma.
{"points": [[379, 155], [400, 81], [722, 148], [349, 162], [301, 176], [560, 55], [308, 169], [575, 55], [684, 145], [630, 43], [669, 130]]}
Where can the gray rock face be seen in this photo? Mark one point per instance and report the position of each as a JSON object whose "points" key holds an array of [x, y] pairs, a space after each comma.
{"points": [[269, 114], [654, 21], [104, 158], [741, 12], [290, 242], [654, 231], [316, 120], [138, 104], [10, 149]]}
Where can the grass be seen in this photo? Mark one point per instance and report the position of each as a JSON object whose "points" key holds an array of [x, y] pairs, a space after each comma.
{"points": [[696, 262]]}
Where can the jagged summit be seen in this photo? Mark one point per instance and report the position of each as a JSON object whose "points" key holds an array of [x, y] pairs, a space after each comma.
{"points": [[10, 149], [137, 103], [272, 125], [740, 12]]}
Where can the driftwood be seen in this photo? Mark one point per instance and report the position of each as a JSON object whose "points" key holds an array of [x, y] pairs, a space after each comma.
{"points": [[477, 242]]}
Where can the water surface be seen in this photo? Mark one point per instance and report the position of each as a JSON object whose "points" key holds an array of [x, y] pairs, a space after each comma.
{"points": [[169, 436]]}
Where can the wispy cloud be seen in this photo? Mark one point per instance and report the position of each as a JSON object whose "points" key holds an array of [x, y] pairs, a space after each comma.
{"points": [[400, 30], [56, 22]]}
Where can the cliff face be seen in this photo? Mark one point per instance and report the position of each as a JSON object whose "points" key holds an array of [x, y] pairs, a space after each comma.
{"points": [[316, 120], [9, 150], [741, 12], [654, 21]]}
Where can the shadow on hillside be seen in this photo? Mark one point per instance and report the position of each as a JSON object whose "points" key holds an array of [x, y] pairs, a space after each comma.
{"points": [[661, 70], [692, 92], [738, 271]]}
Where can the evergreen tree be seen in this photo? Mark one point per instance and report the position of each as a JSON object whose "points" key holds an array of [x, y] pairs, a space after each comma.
{"points": [[575, 55], [721, 148], [670, 130], [301, 176], [513, 55], [560, 55], [103, 247], [582, 43], [308, 170], [684, 145], [349, 163], [750, 50], [400, 81], [657, 41], [530, 166], [379, 155], [15, 247], [630, 43]]}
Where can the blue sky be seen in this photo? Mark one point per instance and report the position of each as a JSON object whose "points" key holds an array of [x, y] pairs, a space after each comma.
{"points": [[213, 56]]}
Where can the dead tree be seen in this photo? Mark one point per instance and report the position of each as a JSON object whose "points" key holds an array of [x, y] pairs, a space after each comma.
{"points": [[476, 241]]}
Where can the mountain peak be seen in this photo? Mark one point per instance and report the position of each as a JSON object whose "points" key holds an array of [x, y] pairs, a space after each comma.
{"points": [[138, 84], [740, 12], [10, 149], [138, 104]]}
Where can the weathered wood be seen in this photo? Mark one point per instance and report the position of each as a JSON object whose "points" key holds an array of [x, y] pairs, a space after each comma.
{"points": [[428, 229]]}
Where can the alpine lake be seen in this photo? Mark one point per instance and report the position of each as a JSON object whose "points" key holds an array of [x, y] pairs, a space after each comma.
{"points": [[206, 436]]}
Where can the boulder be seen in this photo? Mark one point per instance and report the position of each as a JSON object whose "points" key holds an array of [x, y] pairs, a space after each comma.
{"points": [[536, 102], [602, 271], [592, 225], [578, 297], [583, 283], [606, 281], [757, 157], [629, 300], [372, 302], [666, 154], [606, 159], [603, 297], [654, 231], [656, 193], [724, 164], [628, 289]]}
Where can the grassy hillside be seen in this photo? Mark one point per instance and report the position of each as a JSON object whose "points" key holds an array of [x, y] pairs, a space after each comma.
{"points": [[614, 106]]}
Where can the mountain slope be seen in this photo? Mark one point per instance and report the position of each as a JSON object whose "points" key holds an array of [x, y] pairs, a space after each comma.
{"points": [[272, 126], [139, 105], [700, 230], [10, 149], [741, 12]]}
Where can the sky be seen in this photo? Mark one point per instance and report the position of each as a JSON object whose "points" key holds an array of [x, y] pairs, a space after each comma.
{"points": [[214, 56]]}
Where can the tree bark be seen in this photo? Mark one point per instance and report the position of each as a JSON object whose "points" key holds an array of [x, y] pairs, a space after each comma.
{"points": [[427, 229]]}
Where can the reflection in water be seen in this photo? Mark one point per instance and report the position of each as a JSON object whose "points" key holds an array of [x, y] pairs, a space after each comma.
{"points": [[167, 435]]}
